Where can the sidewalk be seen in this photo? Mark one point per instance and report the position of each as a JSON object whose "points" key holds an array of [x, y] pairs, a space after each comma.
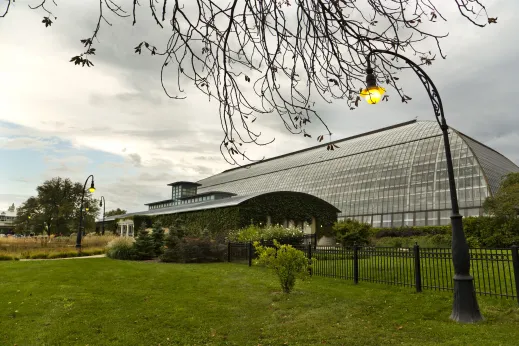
{"points": [[67, 258]]}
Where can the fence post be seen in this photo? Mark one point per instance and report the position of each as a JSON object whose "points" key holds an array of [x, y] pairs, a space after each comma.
{"points": [[310, 258], [417, 268], [515, 261], [228, 251], [250, 253], [355, 263]]}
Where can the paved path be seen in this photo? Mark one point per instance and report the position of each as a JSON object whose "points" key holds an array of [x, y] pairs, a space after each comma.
{"points": [[67, 258]]}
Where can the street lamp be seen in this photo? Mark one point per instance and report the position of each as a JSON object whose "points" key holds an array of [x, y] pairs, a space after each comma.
{"points": [[465, 306], [91, 190], [101, 204]]}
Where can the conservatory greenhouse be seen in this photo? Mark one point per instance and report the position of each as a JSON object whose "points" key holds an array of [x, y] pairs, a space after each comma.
{"points": [[390, 177]]}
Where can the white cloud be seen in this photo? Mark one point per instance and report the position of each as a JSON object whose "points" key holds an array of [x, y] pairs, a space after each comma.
{"points": [[118, 106]]}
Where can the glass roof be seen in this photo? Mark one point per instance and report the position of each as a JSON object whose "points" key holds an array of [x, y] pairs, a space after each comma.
{"points": [[394, 170]]}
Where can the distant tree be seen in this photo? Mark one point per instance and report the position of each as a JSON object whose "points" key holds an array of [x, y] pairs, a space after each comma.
{"points": [[115, 212], [56, 208], [274, 56], [505, 203], [12, 208]]}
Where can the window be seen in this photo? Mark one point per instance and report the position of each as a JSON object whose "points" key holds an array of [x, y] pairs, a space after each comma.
{"points": [[397, 220], [386, 220], [432, 218], [420, 218]]}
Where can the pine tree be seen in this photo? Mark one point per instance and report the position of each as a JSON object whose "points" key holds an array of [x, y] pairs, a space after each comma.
{"points": [[157, 236], [144, 247]]}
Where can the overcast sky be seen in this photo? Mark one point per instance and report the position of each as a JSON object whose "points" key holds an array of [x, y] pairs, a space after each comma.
{"points": [[114, 121]]}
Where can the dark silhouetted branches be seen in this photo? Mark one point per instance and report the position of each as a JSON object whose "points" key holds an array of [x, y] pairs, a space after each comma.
{"points": [[258, 57]]}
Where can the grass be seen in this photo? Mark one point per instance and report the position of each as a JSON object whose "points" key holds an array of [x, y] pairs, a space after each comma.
{"points": [[109, 302], [44, 247]]}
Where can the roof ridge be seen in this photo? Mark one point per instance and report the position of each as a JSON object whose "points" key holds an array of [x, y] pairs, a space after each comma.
{"points": [[320, 146]]}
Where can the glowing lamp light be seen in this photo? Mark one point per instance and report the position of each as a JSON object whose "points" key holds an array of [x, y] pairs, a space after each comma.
{"points": [[86, 208], [373, 95], [92, 189]]}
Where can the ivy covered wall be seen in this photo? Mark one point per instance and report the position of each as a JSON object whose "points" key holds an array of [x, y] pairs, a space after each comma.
{"points": [[280, 206]]}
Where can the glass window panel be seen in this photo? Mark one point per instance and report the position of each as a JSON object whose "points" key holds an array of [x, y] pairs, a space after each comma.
{"points": [[408, 219], [420, 219], [397, 220], [432, 218], [386, 220], [377, 220]]}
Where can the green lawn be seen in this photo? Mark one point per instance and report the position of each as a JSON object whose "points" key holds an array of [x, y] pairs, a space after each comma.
{"points": [[108, 302]]}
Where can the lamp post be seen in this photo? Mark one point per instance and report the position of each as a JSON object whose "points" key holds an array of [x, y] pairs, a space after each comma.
{"points": [[79, 232], [465, 306], [101, 204]]}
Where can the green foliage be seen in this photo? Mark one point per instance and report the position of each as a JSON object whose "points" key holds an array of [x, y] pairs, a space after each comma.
{"points": [[121, 248], [429, 241], [55, 208], [144, 246], [114, 212], [491, 231], [217, 223], [505, 203], [410, 231], [350, 232], [300, 207], [6, 258], [157, 236], [193, 250], [482, 231], [288, 262], [253, 233]]}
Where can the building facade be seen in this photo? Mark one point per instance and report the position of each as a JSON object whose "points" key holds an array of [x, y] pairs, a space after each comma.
{"points": [[7, 221], [391, 177]]}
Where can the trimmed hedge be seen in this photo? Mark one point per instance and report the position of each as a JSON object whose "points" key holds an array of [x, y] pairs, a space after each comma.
{"points": [[408, 231]]}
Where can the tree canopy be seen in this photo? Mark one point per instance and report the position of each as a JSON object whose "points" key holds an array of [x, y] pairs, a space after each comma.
{"points": [[504, 205], [114, 212], [55, 208], [257, 57]]}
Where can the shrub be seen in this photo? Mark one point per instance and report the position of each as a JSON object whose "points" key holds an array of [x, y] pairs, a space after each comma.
{"points": [[288, 262], [144, 247], [350, 232], [157, 237], [284, 235], [193, 250], [6, 258], [121, 248], [409, 231]]}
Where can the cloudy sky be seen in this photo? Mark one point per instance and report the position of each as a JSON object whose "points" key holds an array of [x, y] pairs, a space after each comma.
{"points": [[115, 122]]}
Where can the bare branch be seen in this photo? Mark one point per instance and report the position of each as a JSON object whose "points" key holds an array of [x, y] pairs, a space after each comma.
{"points": [[258, 57]]}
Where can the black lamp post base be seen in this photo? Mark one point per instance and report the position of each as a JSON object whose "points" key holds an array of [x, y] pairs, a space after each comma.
{"points": [[78, 247], [465, 308]]}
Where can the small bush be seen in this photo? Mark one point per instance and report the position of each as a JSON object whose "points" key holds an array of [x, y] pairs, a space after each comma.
{"points": [[288, 262], [6, 258], [121, 248], [350, 232]]}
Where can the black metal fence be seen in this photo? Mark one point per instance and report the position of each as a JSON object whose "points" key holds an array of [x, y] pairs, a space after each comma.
{"points": [[495, 271]]}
